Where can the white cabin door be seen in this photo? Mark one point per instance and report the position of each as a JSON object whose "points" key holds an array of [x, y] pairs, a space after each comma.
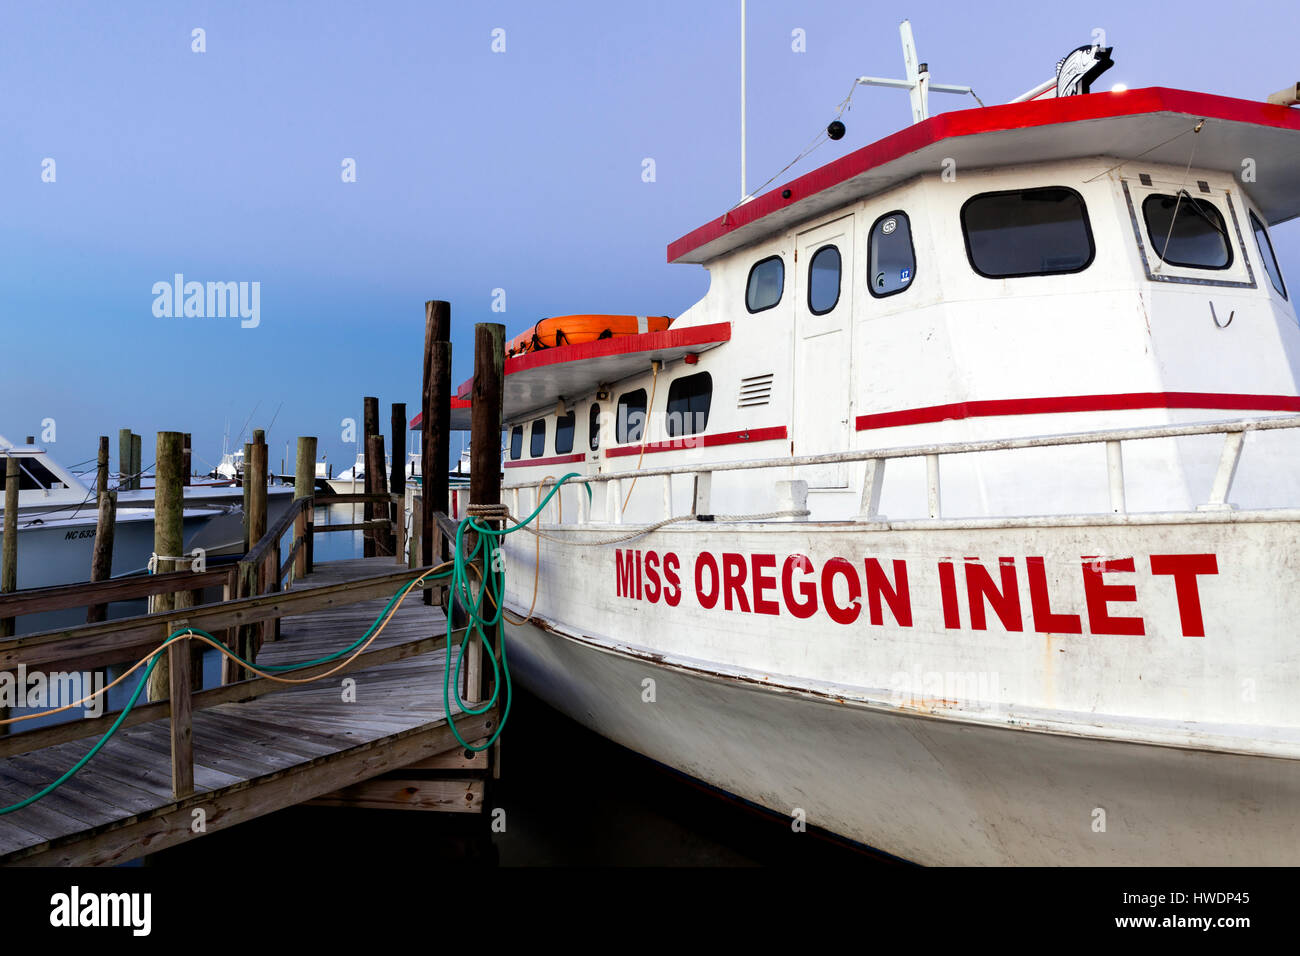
{"points": [[823, 329]]}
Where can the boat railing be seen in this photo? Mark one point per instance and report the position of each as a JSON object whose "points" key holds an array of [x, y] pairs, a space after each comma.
{"points": [[793, 496]]}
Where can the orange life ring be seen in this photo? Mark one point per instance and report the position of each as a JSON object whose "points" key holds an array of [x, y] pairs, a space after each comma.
{"points": [[578, 329]]}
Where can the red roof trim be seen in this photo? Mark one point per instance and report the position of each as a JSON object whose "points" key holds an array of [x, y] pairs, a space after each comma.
{"points": [[619, 345], [418, 420], [1069, 109], [1080, 403], [702, 441], [556, 460]]}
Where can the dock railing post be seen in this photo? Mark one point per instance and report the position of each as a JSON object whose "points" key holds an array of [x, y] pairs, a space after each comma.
{"points": [[435, 431], [180, 688], [168, 531], [485, 454], [304, 486], [415, 546]]}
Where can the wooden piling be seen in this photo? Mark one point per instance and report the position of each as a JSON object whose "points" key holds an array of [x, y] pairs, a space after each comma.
{"points": [[485, 439], [167, 535], [187, 464], [485, 414], [397, 476], [101, 467], [397, 472], [379, 538], [370, 426], [304, 486], [435, 428], [137, 464], [101, 562], [244, 483], [255, 475], [9, 557], [124, 458]]}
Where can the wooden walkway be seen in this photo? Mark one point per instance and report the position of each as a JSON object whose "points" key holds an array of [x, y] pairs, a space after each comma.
{"points": [[253, 757]]}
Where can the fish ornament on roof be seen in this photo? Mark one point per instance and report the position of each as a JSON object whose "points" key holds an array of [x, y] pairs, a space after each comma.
{"points": [[1078, 68]]}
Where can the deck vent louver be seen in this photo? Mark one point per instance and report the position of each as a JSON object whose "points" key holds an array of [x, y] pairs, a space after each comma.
{"points": [[755, 390]]}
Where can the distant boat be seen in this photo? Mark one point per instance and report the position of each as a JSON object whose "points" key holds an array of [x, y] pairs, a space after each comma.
{"points": [[57, 517], [231, 467]]}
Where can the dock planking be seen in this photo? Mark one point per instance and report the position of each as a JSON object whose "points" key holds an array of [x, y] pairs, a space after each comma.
{"points": [[251, 757]]}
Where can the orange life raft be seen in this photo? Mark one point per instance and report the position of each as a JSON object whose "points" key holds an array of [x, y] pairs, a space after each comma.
{"points": [[578, 329]]}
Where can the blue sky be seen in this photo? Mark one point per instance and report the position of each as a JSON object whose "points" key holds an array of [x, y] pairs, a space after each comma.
{"points": [[475, 171]]}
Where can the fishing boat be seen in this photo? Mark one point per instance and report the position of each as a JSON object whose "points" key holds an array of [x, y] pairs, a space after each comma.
{"points": [[960, 518]]}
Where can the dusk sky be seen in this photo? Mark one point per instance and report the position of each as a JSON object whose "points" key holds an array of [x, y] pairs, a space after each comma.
{"points": [[475, 170]]}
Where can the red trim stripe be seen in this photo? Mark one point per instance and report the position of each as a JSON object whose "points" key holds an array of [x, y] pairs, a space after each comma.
{"points": [[702, 441], [418, 420], [537, 462], [619, 345], [1008, 116], [1079, 403]]}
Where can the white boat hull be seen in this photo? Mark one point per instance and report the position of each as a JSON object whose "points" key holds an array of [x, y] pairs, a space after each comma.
{"points": [[1087, 747], [931, 790]]}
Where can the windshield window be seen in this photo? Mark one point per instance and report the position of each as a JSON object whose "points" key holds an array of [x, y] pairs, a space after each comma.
{"points": [[1186, 231]]}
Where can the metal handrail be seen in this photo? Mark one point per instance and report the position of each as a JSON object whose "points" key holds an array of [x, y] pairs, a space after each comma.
{"points": [[1234, 433], [948, 448]]}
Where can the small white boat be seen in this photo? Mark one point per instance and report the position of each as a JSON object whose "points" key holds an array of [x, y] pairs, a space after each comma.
{"points": [[57, 517], [351, 481]]}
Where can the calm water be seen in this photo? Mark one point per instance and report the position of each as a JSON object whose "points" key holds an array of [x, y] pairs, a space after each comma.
{"points": [[570, 798]]}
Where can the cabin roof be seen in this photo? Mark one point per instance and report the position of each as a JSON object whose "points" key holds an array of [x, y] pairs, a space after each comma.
{"points": [[460, 415], [537, 380], [1095, 124]]}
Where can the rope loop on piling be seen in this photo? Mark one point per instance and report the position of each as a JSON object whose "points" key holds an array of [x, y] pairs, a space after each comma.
{"points": [[155, 557]]}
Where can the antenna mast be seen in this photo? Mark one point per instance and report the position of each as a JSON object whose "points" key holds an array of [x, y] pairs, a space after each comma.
{"points": [[744, 192], [917, 84]]}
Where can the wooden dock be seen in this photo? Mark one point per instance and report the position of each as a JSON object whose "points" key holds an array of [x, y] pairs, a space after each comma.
{"points": [[369, 730], [253, 757]]}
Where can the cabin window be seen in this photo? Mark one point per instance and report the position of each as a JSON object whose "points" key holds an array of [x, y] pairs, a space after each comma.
{"points": [[1185, 231], [537, 439], [631, 416], [1027, 232], [824, 280], [1267, 255], [516, 442], [594, 428], [688, 404], [564, 425], [32, 475], [766, 283], [891, 255]]}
